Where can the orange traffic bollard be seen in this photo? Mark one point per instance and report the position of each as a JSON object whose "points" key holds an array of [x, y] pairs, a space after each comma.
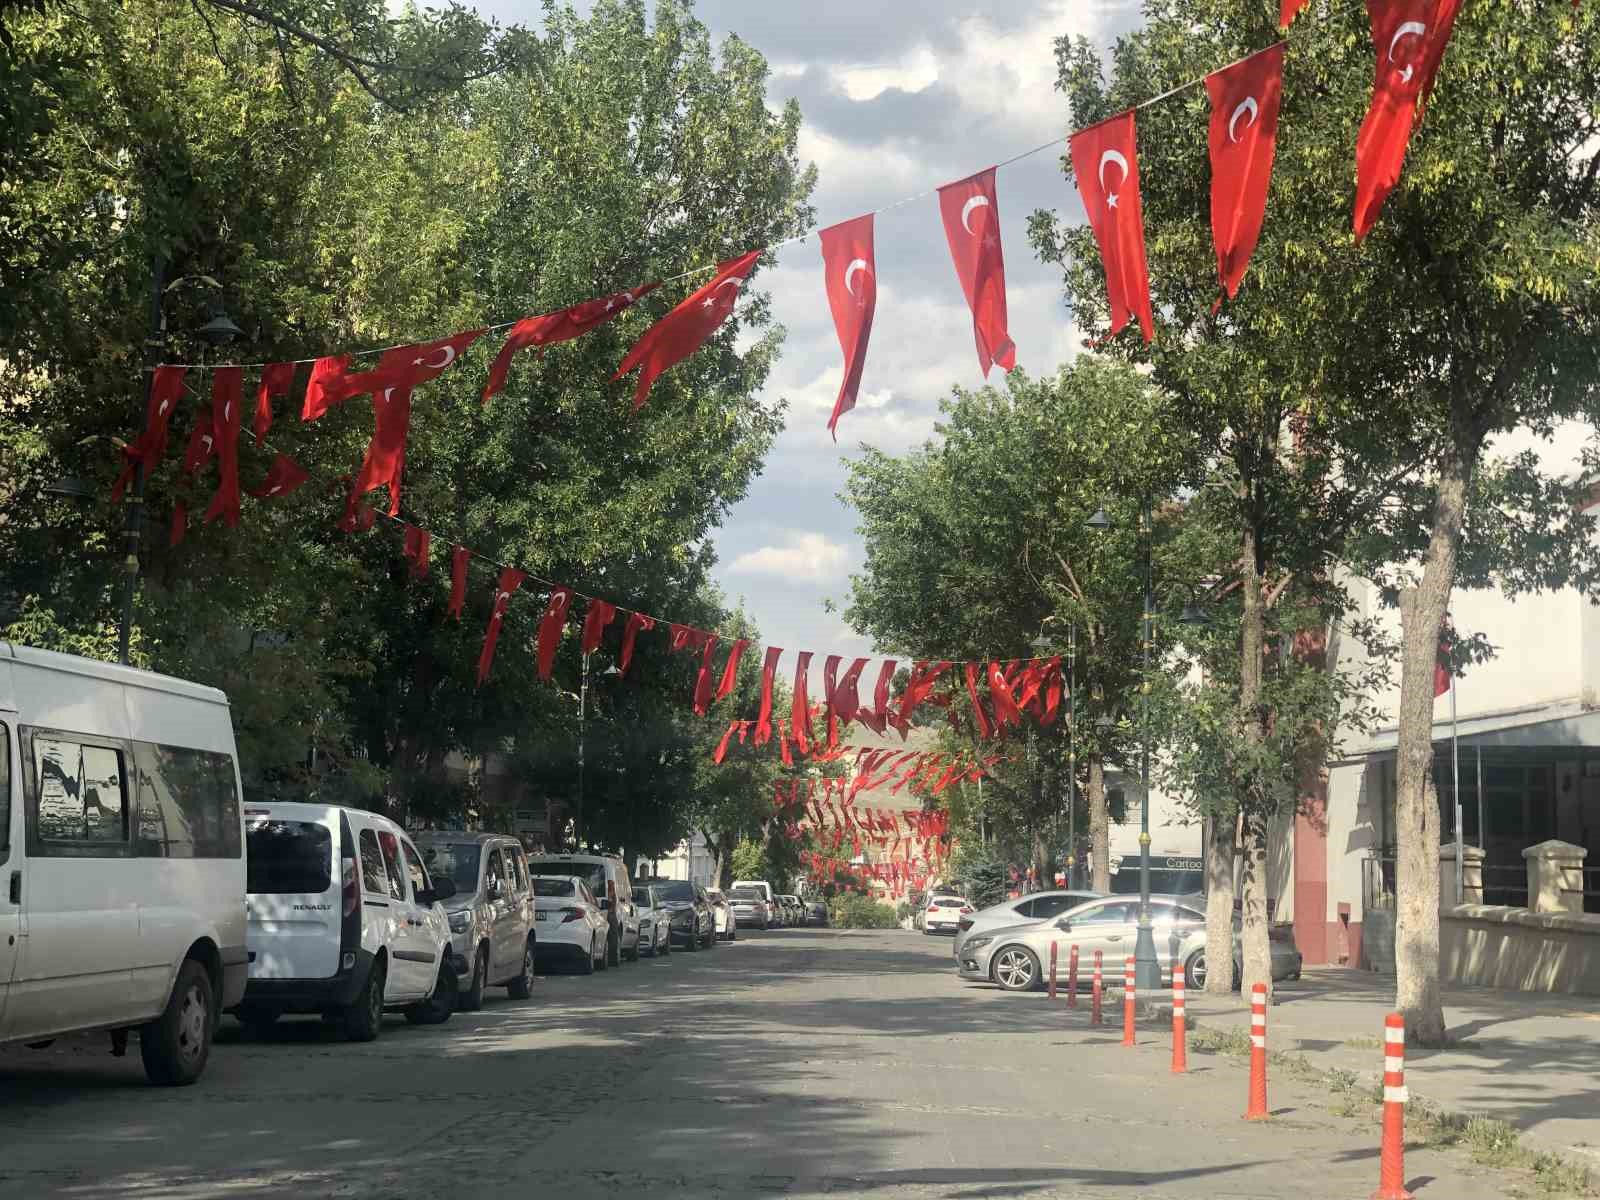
{"points": [[1072, 977], [1052, 970], [1258, 1053], [1096, 1017], [1180, 1052], [1391, 1160], [1128, 1000]]}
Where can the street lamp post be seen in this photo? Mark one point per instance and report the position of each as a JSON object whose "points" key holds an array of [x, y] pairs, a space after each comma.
{"points": [[610, 672], [1042, 646]]}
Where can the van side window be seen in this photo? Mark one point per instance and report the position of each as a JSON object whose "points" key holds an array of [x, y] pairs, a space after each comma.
{"points": [[374, 878], [519, 866], [80, 796], [391, 862], [419, 874], [187, 803], [494, 873], [5, 792]]}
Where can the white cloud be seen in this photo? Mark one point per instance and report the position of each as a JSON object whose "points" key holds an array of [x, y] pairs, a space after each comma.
{"points": [[808, 556]]}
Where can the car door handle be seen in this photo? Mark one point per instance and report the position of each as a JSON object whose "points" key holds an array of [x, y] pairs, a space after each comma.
{"points": [[16, 887]]}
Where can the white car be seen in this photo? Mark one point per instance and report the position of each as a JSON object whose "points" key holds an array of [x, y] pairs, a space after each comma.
{"points": [[608, 879], [570, 926], [1024, 910], [342, 919], [655, 923], [727, 926], [944, 912]]}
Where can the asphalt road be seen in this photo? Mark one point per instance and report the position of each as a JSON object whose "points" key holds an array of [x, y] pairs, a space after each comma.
{"points": [[797, 1062]]}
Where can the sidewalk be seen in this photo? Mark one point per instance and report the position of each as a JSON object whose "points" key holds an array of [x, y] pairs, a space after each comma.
{"points": [[1529, 1059]]}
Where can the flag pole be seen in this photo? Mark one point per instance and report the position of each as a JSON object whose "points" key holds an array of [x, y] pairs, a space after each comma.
{"points": [[1455, 779]]}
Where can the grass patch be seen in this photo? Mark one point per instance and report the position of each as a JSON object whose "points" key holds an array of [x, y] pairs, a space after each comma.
{"points": [[1363, 1043], [1220, 1041]]}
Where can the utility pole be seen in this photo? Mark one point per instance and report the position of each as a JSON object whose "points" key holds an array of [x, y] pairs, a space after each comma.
{"points": [[133, 523]]}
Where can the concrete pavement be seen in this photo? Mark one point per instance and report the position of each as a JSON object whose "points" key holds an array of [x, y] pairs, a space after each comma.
{"points": [[800, 1063]]}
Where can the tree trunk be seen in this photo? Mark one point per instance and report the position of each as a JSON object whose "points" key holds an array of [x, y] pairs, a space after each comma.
{"points": [[1422, 610], [1099, 826], [1044, 875], [1219, 903], [1257, 955], [1254, 805]]}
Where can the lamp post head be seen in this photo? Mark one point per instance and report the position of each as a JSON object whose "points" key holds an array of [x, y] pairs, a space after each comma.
{"points": [[220, 330], [1193, 614], [1099, 521]]}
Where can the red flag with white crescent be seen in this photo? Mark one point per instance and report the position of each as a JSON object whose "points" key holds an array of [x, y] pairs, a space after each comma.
{"points": [[596, 617], [769, 670], [800, 710], [1244, 138], [510, 580], [1288, 10], [971, 213], [227, 415], [549, 328], [415, 548], [275, 381], [1410, 38], [1105, 164], [851, 273], [980, 719], [637, 623], [685, 329], [702, 679], [550, 627], [730, 672], [166, 388], [283, 477]]}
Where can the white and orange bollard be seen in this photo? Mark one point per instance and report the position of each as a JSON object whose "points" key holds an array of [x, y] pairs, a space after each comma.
{"points": [[1052, 970], [1392, 1159], [1072, 977], [1129, 999], [1096, 1015], [1257, 1111], [1180, 1051]]}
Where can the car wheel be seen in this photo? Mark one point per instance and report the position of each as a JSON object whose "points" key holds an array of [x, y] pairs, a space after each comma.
{"points": [[521, 987], [614, 949], [258, 1019], [709, 941], [694, 937], [666, 945], [363, 1020], [587, 966], [1194, 971], [436, 1009], [176, 1044], [471, 1000], [733, 933], [604, 962], [1016, 969], [634, 957]]}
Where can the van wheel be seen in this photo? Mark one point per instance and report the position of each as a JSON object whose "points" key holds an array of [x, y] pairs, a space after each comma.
{"points": [[363, 1020], [521, 987], [471, 1000], [436, 1009], [176, 1044]]}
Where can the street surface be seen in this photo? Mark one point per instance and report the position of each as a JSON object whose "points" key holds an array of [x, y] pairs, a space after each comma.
{"points": [[797, 1062]]}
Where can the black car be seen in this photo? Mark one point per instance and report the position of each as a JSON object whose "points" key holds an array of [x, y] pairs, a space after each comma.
{"points": [[816, 912], [694, 920]]}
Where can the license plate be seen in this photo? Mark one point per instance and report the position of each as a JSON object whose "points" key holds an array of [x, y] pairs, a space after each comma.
{"points": [[538, 916]]}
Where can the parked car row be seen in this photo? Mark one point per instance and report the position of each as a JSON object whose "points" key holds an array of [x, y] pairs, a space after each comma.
{"points": [[755, 905], [1009, 943]]}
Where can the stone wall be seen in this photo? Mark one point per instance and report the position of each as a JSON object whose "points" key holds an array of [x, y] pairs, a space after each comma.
{"points": [[1519, 949]]}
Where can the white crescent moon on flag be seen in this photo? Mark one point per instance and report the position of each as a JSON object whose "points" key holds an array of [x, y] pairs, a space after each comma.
{"points": [[1406, 29], [387, 392], [227, 411], [1248, 103], [1112, 156], [449, 353], [966, 210], [856, 264]]}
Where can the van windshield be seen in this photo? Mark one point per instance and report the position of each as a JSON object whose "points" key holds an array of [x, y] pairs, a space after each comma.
{"points": [[459, 860], [288, 858]]}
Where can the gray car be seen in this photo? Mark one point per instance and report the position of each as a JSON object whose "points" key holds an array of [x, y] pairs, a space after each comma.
{"points": [[1016, 957], [1025, 910], [654, 922], [491, 914]]}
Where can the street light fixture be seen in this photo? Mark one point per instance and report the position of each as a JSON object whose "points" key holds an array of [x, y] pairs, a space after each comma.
{"points": [[1194, 615], [220, 330], [1100, 521]]}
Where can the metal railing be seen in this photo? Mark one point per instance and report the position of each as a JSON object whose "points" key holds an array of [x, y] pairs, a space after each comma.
{"points": [[1378, 883], [1505, 885]]}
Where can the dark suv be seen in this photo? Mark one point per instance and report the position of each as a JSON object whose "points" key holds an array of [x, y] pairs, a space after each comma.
{"points": [[693, 920]]}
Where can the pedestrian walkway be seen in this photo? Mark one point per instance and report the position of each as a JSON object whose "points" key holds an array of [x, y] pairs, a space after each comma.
{"points": [[1529, 1059]]}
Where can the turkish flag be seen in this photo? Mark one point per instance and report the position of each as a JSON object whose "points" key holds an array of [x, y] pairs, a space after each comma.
{"points": [[1244, 137], [769, 670], [721, 751], [800, 710], [877, 718], [415, 548], [920, 686], [460, 556], [275, 381], [730, 673], [596, 617], [845, 699], [283, 477], [550, 626], [972, 227], [1410, 37], [702, 679], [166, 388], [202, 444], [1105, 163], [510, 580], [322, 388], [1288, 10], [851, 273], [227, 411], [637, 622], [830, 684], [385, 459], [1006, 711], [685, 329], [399, 367], [979, 717], [549, 328]]}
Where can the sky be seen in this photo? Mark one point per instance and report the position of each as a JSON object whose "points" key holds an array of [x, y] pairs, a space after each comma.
{"points": [[895, 99]]}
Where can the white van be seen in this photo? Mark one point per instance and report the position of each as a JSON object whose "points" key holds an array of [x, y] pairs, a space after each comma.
{"points": [[121, 851], [774, 914], [344, 920]]}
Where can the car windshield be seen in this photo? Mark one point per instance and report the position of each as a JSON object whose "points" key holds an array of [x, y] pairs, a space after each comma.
{"points": [[677, 890], [458, 860], [745, 894], [594, 874], [641, 896], [552, 887]]}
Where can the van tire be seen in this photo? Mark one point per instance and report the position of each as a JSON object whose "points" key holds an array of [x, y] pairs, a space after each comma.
{"points": [[436, 1009], [471, 999], [521, 987], [363, 1020], [176, 1045]]}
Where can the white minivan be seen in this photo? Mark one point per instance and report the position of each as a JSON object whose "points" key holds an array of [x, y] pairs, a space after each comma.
{"points": [[121, 856], [344, 920]]}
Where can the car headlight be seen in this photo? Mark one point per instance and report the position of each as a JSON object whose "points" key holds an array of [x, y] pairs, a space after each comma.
{"points": [[977, 943], [460, 922]]}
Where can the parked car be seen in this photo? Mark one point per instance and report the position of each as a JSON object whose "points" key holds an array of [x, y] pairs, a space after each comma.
{"points": [[794, 909], [693, 924], [491, 914], [608, 880], [123, 845], [749, 907], [572, 927], [767, 894], [943, 913], [1285, 957], [344, 919], [817, 912], [1039, 906], [654, 921], [727, 927]]}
